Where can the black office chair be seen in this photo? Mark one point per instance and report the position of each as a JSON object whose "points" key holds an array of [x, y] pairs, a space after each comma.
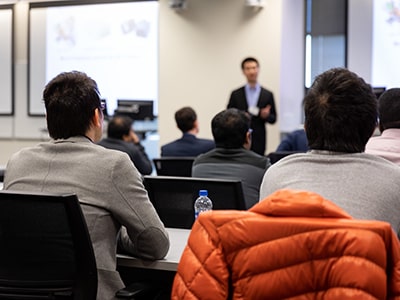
{"points": [[173, 197], [174, 166], [46, 251], [276, 156], [45, 248]]}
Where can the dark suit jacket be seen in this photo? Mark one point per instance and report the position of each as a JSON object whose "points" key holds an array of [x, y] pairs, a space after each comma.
{"points": [[294, 141], [187, 145], [136, 153], [238, 100]]}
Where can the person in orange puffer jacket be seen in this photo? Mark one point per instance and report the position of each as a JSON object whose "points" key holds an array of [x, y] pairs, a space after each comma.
{"points": [[293, 244]]}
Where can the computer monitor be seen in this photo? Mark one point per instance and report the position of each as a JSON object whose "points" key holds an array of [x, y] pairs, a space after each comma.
{"points": [[135, 109], [173, 197]]}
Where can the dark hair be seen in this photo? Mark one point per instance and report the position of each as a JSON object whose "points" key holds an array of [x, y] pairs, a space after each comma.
{"points": [[248, 59], [119, 126], [340, 112], [70, 99], [229, 128], [389, 109], [185, 118]]}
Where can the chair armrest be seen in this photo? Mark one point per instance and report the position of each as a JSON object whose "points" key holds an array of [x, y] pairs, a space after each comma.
{"points": [[137, 290]]}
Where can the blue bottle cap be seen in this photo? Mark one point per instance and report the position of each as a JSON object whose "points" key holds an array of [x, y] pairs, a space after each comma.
{"points": [[203, 193]]}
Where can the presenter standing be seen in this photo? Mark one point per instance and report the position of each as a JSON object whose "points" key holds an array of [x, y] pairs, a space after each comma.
{"points": [[257, 101]]}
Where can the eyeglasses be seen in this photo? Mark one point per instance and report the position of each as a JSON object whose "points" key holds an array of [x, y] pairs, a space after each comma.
{"points": [[102, 105]]}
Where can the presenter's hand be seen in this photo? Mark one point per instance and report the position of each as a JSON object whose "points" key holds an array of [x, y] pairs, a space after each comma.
{"points": [[264, 112]]}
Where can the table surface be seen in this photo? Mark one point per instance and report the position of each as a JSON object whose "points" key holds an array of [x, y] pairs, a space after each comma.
{"points": [[178, 239]]}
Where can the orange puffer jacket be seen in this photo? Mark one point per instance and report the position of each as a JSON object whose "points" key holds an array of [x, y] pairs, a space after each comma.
{"points": [[292, 245]]}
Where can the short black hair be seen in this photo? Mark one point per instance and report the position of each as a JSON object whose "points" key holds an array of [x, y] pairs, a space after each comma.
{"points": [[70, 99], [185, 118], [340, 112], [119, 126], [229, 128], [248, 59], [389, 109]]}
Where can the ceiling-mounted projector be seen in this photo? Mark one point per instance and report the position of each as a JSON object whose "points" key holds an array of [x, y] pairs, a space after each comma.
{"points": [[255, 3], [177, 4]]}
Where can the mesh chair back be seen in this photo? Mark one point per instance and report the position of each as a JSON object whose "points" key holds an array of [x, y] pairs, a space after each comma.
{"points": [[45, 248], [174, 166], [173, 197]]}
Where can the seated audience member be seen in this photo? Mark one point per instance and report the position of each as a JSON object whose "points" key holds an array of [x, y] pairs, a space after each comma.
{"points": [[188, 144], [294, 141], [232, 157], [120, 136], [258, 254], [340, 116], [387, 145], [108, 185]]}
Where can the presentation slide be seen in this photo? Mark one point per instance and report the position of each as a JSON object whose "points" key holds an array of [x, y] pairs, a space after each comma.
{"points": [[386, 44], [6, 102], [114, 43]]}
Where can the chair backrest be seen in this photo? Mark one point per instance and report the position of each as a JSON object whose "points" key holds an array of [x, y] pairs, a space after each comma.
{"points": [[45, 248], [173, 197], [278, 155], [174, 166]]}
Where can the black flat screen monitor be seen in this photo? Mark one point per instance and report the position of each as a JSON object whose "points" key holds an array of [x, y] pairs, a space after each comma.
{"points": [[173, 197], [135, 109]]}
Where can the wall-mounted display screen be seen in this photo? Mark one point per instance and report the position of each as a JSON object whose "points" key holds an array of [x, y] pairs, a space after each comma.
{"points": [[386, 43], [374, 41], [6, 60], [114, 43]]}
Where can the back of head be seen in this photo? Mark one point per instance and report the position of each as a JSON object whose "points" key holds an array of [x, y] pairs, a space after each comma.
{"points": [[119, 126], [230, 127], [70, 99], [389, 109], [185, 119], [340, 112]]}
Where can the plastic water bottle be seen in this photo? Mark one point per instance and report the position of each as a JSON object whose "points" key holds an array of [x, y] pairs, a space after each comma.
{"points": [[203, 203]]}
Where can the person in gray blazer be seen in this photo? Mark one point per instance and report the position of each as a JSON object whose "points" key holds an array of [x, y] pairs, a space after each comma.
{"points": [[109, 187]]}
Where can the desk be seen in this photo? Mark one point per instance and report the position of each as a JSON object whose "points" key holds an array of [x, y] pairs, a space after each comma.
{"points": [[178, 239]]}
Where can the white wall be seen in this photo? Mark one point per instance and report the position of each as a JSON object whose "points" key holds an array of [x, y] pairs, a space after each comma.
{"points": [[200, 53], [359, 50]]}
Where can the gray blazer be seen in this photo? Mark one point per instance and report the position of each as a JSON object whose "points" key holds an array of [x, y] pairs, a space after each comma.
{"points": [[112, 195]]}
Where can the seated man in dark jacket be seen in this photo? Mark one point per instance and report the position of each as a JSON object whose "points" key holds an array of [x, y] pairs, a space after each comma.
{"points": [[120, 136], [188, 144], [232, 157], [294, 141]]}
